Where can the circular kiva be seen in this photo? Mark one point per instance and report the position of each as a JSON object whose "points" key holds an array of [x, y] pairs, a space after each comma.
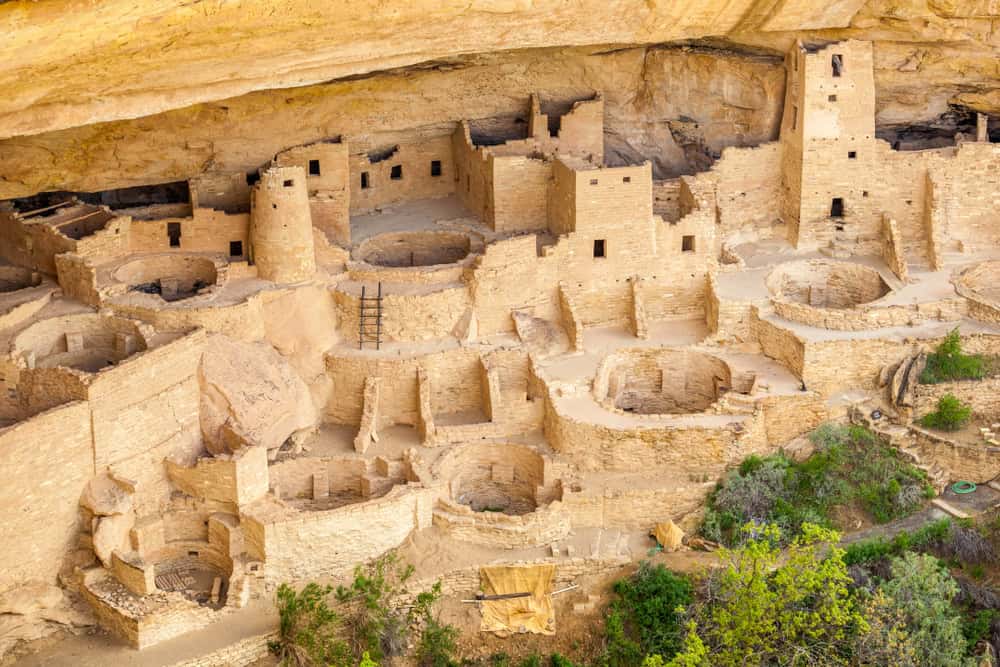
{"points": [[826, 284], [406, 249], [172, 276], [653, 381]]}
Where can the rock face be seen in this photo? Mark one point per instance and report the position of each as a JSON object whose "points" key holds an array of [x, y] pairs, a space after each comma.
{"points": [[74, 75], [250, 396]]}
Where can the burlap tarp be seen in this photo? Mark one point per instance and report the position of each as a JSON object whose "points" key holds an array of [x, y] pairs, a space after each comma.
{"points": [[669, 535], [526, 614]]}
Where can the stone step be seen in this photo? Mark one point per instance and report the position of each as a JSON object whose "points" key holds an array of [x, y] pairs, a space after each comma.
{"points": [[948, 508]]}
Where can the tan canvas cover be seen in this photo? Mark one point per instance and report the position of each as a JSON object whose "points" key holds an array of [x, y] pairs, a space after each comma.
{"points": [[526, 614], [669, 535]]}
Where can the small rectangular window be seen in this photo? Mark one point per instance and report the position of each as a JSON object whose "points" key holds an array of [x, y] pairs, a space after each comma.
{"points": [[314, 167], [687, 244], [626, 179], [236, 248], [831, 98], [864, 193], [435, 167], [852, 155], [174, 234], [364, 180], [837, 63], [795, 117], [593, 181], [837, 207], [396, 173], [289, 183], [599, 248], [468, 183]]}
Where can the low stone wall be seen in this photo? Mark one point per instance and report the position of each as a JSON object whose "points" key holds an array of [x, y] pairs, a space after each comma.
{"points": [[980, 285], [300, 545], [975, 463], [637, 506], [430, 314], [983, 396], [244, 652], [503, 531], [862, 318]]}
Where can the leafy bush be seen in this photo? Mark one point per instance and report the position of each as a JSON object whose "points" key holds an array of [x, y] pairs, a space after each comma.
{"points": [[849, 465], [879, 548], [886, 641], [694, 653], [951, 414], [977, 628], [437, 646], [760, 612], [308, 629], [366, 624], [923, 591], [967, 546], [373, 624], [649, 605], [948, 362]]}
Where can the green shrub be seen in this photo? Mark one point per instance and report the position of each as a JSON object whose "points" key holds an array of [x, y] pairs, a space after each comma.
{"points": [[923, 591], [764, 607], [561, 661], [878, 548], [948, 362], [849, 465], [533, 660], [647, 614], [308, 629], [437, 646], [977, 628], [951, 414]]}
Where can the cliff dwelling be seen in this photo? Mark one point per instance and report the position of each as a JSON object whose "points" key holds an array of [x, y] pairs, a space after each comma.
{"points": [[248, 343]]}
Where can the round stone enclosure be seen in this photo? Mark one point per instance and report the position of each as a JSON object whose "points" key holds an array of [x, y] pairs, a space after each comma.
{"points": [[501, 478], [86, 342], [826, 284], [983, 280], [318, 484], [422, 248], [657, 381], [13, 278], [194, 578], [171, 276]]}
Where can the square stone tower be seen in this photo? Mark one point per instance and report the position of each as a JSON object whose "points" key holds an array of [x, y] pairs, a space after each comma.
{"points": [[829, 145]]}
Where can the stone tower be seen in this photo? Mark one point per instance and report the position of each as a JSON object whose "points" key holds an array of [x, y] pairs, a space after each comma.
{"points": [[281, 234], [828, 137]]}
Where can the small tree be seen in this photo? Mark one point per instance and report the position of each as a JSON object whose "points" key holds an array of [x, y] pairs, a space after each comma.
{"points": [[951, 414], [794, 614], [923, 591], [308, 629], [949, 362]]}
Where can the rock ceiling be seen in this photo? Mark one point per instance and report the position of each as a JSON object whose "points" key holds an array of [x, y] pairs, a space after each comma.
{"points": [[108, 93]]}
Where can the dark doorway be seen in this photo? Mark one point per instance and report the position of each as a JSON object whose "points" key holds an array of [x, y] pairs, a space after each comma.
{"points": [[174, 234], [837, 208]]}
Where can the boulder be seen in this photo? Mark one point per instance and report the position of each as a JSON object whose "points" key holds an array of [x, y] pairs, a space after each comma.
{"points": [[110, 533], [103, 496], [251, 396]]}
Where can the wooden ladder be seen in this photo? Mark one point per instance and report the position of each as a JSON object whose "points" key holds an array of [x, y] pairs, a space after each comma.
{"points": [[370, 319]]}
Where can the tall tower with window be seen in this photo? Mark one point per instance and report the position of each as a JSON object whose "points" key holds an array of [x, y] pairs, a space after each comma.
{"points": [[281, 232], [828, 137]]}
